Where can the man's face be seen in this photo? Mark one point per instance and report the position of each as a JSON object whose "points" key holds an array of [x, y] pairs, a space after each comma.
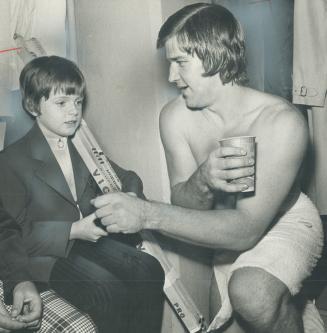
{"points": [[61, 114], [186, 71]]}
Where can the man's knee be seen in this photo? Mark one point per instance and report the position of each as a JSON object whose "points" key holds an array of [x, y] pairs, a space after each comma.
{"points": [[256, 295]]}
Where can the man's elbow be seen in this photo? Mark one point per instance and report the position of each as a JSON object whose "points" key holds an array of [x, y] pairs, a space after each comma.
{"points": [[249, 237], [247, 242]]}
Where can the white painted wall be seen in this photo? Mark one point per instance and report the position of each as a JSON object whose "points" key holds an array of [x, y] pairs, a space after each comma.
{"points": [[116, 51]]}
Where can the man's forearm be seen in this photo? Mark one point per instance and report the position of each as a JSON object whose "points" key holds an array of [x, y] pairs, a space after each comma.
{"points": [[193, 193], [219, 229]]}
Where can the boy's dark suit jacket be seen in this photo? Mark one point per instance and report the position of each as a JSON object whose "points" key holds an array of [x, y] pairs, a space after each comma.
{"points": [[34, 191], [14, 260]]}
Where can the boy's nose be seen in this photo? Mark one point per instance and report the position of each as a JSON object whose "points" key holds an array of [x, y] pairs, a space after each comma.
{"points": [[73, 109]]}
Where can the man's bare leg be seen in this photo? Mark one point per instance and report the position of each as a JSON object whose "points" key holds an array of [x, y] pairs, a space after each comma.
{"points": [[233, 327], [215, 303], [263, 302]]}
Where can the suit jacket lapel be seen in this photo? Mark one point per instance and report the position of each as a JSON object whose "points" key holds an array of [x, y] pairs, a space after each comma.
{"points": [[81, 172], [49, 170]]}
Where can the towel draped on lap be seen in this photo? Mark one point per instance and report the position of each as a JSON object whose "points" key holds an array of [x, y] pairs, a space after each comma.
{"points": [[289, 251]]}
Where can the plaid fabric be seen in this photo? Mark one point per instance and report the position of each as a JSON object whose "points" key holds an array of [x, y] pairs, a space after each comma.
{"points": [[59, 316]]}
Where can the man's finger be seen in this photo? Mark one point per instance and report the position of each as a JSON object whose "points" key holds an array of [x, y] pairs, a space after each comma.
{"points": [[113, 228], [234, 188], [101, 200], [237, 162], [102, 212], [229, 151], [237, 173]]}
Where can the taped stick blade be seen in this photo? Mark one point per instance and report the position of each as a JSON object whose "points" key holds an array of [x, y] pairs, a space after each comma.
{"points": [[29, 48]]}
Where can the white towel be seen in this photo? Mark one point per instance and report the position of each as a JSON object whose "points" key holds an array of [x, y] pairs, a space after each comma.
{"points": [[289, 252]]}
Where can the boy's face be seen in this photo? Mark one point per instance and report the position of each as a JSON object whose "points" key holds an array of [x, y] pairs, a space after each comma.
{"points": [[61, 114]]}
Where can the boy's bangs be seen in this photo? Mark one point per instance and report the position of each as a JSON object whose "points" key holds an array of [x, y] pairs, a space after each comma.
{"points": [[69, 88]]}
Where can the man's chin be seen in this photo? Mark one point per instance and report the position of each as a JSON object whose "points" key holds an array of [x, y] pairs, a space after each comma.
{"points": [[192, 106]]}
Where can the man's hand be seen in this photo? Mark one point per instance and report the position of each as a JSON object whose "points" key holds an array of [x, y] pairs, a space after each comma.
{"points": [[120, 212], [27, 306], [86, 229], [224, 165]]}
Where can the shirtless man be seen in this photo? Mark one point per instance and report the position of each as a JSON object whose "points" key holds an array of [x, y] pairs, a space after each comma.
{"points": [[276, 231]]}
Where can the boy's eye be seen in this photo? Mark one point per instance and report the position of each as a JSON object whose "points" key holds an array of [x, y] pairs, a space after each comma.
{"points": [[79, 102], [61, 103]]}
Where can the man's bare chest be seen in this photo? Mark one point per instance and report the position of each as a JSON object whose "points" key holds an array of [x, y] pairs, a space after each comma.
{"points": [[202, 140]]}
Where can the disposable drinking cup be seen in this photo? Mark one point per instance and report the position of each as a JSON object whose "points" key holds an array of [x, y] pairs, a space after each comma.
{"points": [[248, 144]]}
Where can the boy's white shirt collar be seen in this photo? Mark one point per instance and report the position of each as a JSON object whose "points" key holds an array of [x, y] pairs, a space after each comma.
{"points": [[59, 147], [56, 142]]}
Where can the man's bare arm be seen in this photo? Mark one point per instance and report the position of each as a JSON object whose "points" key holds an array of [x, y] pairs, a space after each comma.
{"points": [[280, 153], [193, 184]]}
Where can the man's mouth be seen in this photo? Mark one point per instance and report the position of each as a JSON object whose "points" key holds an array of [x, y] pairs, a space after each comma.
{"points": [[183, 89]]}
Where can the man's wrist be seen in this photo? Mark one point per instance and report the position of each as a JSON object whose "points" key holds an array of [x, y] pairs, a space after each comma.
{"points": [[148, 218], [201, 185]]}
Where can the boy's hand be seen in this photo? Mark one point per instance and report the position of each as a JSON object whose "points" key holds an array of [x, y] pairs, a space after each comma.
{"points": [[27, 305], [86, 229]]}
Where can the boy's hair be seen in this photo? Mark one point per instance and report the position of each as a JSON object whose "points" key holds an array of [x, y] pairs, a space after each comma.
{"points": [[45, 74], [214, 35]]}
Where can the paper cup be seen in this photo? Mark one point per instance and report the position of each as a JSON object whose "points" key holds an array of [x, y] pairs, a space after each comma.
{"points": [[248, 144]]}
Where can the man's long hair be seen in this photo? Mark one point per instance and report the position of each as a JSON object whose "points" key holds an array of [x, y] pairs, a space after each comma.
{"points": [[214, 35]]}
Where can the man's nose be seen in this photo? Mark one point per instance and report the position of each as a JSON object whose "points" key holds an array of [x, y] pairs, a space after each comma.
{"points": [[173, 73]]}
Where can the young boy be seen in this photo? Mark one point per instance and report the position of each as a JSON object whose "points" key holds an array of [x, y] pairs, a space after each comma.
{"points": [[46, 186]]}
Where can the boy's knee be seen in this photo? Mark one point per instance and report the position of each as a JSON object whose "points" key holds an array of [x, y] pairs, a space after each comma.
{"points": [[149, 269], [104, 297], [253, 294]]}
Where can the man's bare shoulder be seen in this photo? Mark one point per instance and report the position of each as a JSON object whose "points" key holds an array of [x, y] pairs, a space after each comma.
{"points": [[273, 112], [175, 110], [281, 123], [176, 119], [281, 114]]}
